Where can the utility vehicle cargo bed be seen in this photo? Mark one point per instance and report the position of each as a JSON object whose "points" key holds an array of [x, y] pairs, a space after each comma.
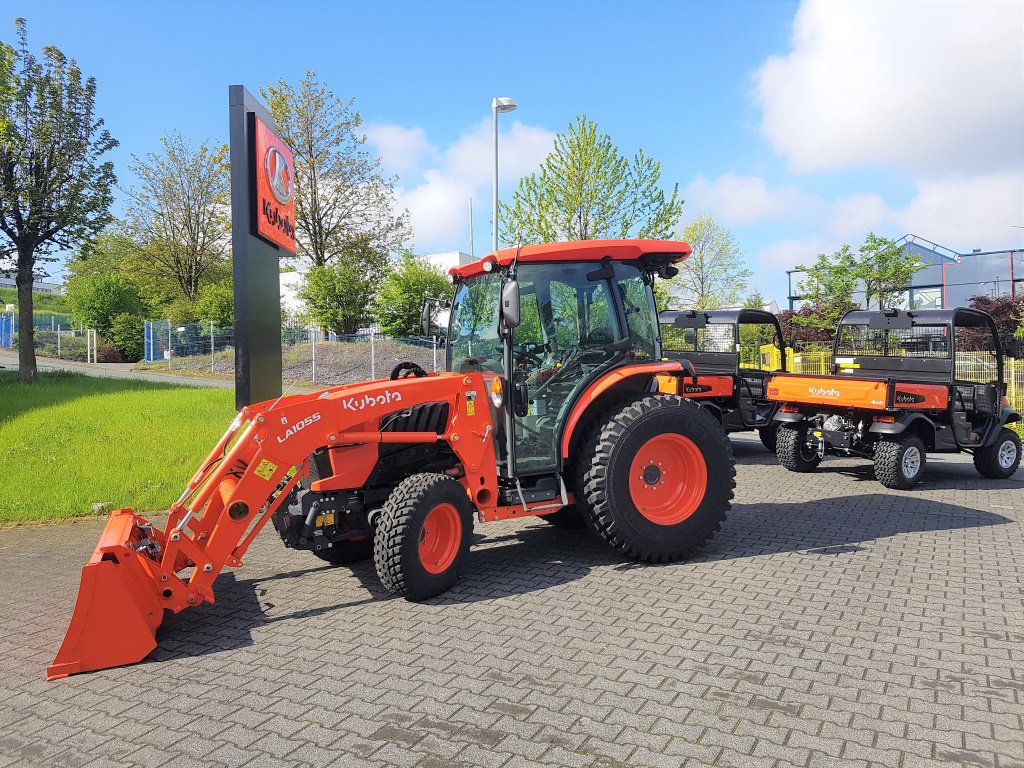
{"points": [[875, 394]]}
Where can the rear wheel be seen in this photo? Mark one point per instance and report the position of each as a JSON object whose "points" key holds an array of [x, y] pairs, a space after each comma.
{"points": [[1001, 459], [768, 436], [792, 449], [899, 463], [347, 551], [657, 478], [422, 536]]}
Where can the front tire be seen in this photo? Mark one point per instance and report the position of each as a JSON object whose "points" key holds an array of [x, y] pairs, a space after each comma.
{"points": [[792, 449], [657, 478], [899, 463], [769, 436], [1001, 459], [423, 536]]}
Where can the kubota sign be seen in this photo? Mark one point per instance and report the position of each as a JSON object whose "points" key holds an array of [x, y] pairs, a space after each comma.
{"points": [[275, 188]]}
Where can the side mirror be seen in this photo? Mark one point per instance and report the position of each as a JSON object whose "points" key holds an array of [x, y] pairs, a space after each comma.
{"points": [[510, 304], [425, 312]]}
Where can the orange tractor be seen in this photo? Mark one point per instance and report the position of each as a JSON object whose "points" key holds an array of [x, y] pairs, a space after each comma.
{"points": [[550, 406], [903, 384], [733, 351]]}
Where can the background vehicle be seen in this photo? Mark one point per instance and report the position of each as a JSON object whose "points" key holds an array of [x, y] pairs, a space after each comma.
{"points": [[550, 406], [903, 384], [727, 351]]}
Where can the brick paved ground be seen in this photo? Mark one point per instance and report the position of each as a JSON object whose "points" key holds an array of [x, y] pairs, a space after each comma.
{"points": [[831, 623]]}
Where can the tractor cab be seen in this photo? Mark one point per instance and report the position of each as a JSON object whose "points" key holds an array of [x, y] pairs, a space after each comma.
{"points": [[733, 351], [542, 330]]}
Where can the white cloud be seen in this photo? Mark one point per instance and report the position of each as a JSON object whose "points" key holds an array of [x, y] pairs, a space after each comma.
{"points": [[438, 199], [933, 88], [400, 149], [789, 253], [856, 215], [742, 200]]}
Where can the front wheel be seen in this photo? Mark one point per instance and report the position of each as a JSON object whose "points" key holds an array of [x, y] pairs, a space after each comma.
{"points": [[423, 536], [900, 463], [769, 436], [1001, 459], [657, 478], [791, 446]]}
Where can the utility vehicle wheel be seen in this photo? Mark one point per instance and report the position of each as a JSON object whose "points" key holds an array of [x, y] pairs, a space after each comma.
{"points": [[1001, 459], [657, 477], [899, 463], [422, 536], [792, 449], [768, 436], [347, 551], [566, 517]]}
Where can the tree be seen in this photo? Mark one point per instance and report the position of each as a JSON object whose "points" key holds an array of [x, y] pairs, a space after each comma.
{"points": [[797, 325], [397, 307], [180, 215], [341, 196], [714, 275], [886, 270], [828, 288], [97, 299], [216, 303], [338, 296], [1006, 311], [587, 190], [55, 189]]}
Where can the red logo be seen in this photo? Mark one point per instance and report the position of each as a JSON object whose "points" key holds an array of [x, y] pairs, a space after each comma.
{"points": [[275, 189]]}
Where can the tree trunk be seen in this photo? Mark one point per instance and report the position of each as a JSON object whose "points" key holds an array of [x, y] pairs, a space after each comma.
{"points": [[26, 331]]}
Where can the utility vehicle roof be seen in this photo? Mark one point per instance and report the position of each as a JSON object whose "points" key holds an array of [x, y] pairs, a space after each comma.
{"points": [[580, 250], [684, 317], [962, 316]]}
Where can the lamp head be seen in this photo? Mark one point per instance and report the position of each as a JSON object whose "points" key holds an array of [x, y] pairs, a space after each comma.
{"points": [[503, 104]]}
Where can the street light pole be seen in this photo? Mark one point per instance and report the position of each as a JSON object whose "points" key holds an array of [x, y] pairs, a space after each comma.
{"points": [[498, 104]]}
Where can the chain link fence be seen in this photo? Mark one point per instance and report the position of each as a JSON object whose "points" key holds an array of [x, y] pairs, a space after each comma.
{"points": [[54, 337], [309, 356]]}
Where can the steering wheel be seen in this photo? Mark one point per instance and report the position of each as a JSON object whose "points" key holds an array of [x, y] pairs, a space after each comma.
{"points": [[407, 370]]}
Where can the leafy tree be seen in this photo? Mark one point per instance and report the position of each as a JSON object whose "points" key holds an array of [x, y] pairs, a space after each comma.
{"points": [[55, 189], [714, 275], [126, 334], [97, 299], [216, 302], [341, 196], [1007, 312], [397, 307], [828, 287], [338, 296], [797, 326], [587, 190], [180, 215], [886, 270]]}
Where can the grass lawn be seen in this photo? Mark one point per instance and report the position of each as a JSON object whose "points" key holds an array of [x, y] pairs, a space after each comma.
{"points": [[69, 440]]}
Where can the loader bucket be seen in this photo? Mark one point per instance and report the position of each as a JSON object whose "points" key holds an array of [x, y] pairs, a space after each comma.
{"points": [[118, 608]]}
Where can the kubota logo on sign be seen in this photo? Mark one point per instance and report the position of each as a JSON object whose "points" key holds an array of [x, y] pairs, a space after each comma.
{"points": [[369, 401], [299, 426], [822, 392], [279, 174], [275, 188]]}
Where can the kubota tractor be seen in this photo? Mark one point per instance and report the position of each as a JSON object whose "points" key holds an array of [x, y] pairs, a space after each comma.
{"points": [[550, 406], [903, 384], [732, 351]]}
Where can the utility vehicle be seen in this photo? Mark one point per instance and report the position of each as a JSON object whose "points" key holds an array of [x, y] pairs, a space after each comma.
{"points": [[727, 350], [549, 406], [904, 383]]}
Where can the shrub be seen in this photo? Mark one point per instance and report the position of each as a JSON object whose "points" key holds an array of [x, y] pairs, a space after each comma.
{"points": [[127, 336]]}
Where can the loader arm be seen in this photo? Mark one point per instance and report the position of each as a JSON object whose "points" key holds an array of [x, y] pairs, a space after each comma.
{"points": [[138, 571]]}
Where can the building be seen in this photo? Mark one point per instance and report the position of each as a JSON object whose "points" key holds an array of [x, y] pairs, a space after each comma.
{"points": [[949, 279], [447, 260], [39, 286]]}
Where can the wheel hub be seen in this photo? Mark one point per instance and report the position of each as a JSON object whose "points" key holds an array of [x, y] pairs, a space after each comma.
{"points": [[911, 462], [668, 479], [651, 475], [1007, 454]]}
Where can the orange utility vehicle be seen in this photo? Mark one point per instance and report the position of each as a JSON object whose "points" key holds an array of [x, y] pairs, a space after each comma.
{"points": [[726, 348], [903, 384], [550, 407]]}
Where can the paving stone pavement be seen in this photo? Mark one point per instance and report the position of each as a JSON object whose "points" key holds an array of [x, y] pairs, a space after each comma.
{"points": [[831, 622]]}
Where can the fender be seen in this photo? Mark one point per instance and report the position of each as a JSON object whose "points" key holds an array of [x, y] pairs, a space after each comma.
{"points": [[789, 418], [602, 385], [900, 425]]}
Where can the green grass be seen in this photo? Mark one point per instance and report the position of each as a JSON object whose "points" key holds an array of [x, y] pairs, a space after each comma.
{"points": [[69, 440], [51, 303]]}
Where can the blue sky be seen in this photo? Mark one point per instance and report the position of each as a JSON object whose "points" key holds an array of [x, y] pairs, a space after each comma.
{"points": [[798, 125]]}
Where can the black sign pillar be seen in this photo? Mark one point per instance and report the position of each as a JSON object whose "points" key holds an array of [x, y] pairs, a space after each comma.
{"points": [[256, 265]]}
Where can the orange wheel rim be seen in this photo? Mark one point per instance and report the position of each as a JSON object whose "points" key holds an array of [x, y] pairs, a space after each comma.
{"points": [[440, 538], [668, 479]]}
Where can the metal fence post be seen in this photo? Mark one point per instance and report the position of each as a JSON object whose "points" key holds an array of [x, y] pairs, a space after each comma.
{"points": [[212, 350], [373, 357], [58, 341], [312, 336], [433, 343], [169, 353]]}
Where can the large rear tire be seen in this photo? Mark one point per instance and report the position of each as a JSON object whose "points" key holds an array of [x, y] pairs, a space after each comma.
{"points": [[899, 463], [422, 536], [1001, 459], [792, 449], [657, 478]]}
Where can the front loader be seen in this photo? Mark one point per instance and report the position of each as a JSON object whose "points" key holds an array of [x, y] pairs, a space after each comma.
{"points": [[550, 406]]}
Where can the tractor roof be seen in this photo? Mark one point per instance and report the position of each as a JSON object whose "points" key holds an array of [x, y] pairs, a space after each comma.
{"points": [[581, 250], [690, 318]]}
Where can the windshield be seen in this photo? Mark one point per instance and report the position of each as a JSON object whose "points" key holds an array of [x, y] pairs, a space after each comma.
{"points": [[473, 340]]}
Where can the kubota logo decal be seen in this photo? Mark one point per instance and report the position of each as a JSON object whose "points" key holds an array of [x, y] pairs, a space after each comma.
{"points": [[692, 389], [369, 401], [822, 392], [299, 426], [909, 397]]}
